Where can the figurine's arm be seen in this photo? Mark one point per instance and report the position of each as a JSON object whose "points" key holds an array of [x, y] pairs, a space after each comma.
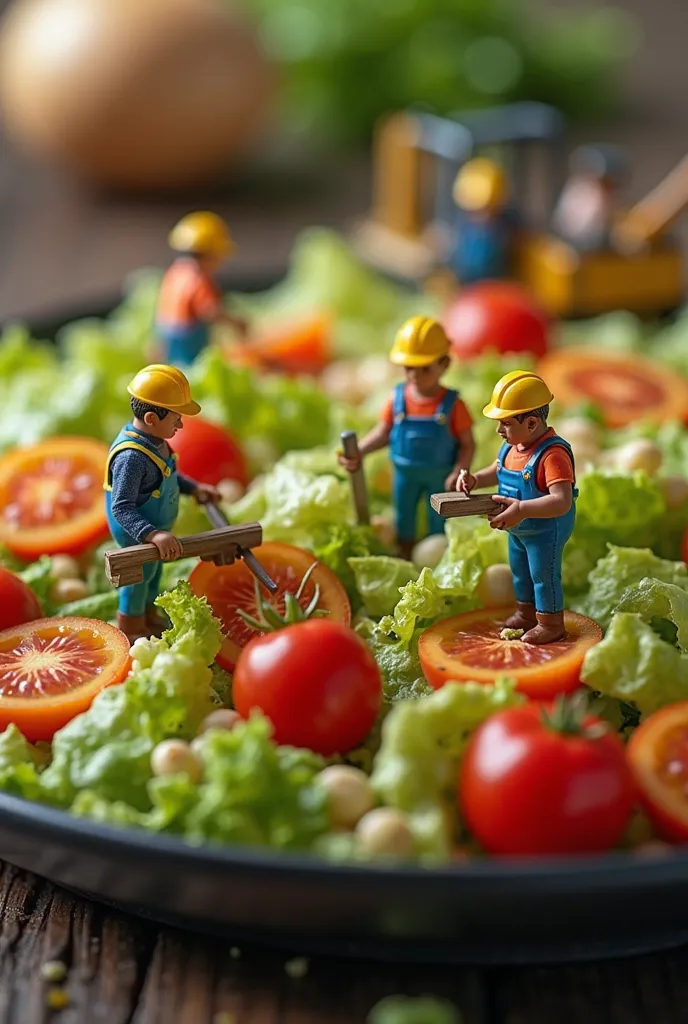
{"points": [[468, 481], [129, 471], [556, 503], [376, 439]]}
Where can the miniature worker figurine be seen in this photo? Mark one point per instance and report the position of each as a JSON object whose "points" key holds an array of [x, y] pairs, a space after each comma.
{"points": [[484, 226], [190, 301], [588, 203], [536, 480], [142, 486], [427, 427]]}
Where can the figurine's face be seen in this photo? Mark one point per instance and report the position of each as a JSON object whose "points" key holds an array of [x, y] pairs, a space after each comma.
{"points": [[165, 428], [209, 264], [514, 432], [426, 379]]}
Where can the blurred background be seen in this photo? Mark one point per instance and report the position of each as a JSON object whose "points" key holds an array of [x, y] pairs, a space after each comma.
{"points": [[117, 118]]}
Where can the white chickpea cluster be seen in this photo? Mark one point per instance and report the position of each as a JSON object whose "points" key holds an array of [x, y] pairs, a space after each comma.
{"points": [[68, 585], [379, 831]]}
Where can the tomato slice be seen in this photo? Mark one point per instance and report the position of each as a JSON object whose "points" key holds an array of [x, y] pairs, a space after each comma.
{"points": [[625, 388], [51, 669], [469, 647], [51, 497], [301, 346], [231, 587], [658, 756]]}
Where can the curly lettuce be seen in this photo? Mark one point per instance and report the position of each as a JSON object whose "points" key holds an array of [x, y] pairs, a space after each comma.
{"points": [[619, 569]]}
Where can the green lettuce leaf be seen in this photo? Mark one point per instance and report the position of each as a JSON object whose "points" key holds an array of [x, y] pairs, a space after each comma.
{"points": [[346, 542], [39, 576], [414, 1010], [660, 603], [424, 601], [195, 631], [624, 507], [19, 764], [95, 606], [620, 568], [402, 676], [422, 741], [380, 579]]}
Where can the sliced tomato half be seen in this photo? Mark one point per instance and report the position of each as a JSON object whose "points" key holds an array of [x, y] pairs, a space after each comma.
{"points": [[469, 647], [51, 497], [624, 388], [231, 587], [658, 755], [51, 669]]}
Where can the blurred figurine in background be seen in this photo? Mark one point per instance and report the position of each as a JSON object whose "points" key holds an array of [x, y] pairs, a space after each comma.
{"points": [[536, 481], [588, 203], [426, 425], [484, 223], [190, 301], [142, 486]]}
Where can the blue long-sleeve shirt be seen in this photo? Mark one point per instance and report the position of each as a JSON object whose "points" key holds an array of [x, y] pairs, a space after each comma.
{"points": [[134, 478]]}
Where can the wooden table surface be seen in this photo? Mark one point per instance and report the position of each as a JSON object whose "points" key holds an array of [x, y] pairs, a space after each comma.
{"points": [[61, 244]]}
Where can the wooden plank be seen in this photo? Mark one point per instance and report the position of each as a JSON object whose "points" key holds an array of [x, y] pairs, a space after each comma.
{"points": [[451, 504], [125, 566]]}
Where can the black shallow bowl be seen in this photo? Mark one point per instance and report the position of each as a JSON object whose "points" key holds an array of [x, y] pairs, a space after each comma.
{"points": [[480, 912]]}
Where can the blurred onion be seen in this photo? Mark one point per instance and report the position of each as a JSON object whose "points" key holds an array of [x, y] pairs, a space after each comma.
{"points": [[132, 93]]}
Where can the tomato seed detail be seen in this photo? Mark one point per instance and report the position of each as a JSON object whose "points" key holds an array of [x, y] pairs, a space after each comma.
{"points": [[46, 666]]}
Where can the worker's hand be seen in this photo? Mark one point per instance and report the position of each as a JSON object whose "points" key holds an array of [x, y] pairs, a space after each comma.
{"points": [[204, 494], [465, 482], [351, 465], [168, 545], [511, 515], [451, 482]]}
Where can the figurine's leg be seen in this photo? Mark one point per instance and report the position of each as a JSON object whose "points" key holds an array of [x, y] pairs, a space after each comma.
{"points": [[524, 616], [407, 492], [436, 522], [156, 620], [544, 557], [131, 617]]}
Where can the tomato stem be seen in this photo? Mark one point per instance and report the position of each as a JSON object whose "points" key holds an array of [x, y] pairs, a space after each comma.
{"points": [[568, 714], [268, 619]]}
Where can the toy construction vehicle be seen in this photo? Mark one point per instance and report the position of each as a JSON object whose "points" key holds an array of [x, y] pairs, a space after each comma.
{"points": [[417, 157]]}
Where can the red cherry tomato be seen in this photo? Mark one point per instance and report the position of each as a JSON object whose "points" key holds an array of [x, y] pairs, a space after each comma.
{"points": [[208, 453], [317, 682], [18, 603], [496, 315], [527, 789]]}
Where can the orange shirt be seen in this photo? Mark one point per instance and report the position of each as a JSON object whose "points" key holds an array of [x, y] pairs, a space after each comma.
{"points": [[555, 466], [187, 295], [459, 421]]}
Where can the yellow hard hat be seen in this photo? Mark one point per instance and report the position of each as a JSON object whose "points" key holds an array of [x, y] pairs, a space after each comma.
{"points": [[480, 185], [419, 342], [517, 392], [204, 233], [165, 386]]}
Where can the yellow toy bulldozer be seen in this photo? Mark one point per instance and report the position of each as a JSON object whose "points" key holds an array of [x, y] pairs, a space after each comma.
{"points": [[416, 159]]}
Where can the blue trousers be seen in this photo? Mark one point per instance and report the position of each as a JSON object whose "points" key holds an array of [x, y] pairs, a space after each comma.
{"points": [[411, 484], [136, 598], [535, 561], [183, 344]]}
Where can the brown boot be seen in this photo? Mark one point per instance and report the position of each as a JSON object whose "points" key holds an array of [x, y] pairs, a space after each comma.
{"points": [[156, 621], [406, 549], [523, 618], [549, 630], [133, 625]]}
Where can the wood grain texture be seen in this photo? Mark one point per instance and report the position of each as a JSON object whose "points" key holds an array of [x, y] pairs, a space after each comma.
{"points": [[452, 505]]}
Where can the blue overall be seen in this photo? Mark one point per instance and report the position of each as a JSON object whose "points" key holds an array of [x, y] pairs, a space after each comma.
{"points": [[482, 248], [183, 343], [536, 546], [160, 510], [423, 452]]}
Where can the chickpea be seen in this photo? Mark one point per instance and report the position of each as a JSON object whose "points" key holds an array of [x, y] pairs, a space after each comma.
{"points": [[385, 530], [64, 567], [223, 718], [373, 372], [578, 429], [172, 756], [63, 591], [428, 551], [496, 586], [231, 491], [675, 490], [338, 380], [639, 454], [385, 831], [349, 792], [585, 453]]}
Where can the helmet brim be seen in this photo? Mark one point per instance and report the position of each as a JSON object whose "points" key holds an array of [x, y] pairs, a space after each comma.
{"points": [[493, 412], [404, 359]]}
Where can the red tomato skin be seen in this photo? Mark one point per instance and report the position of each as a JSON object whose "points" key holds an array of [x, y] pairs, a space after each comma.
{"points": [[498, 315], [18, 603], [208, 453], [526, 790], [316, 681]]}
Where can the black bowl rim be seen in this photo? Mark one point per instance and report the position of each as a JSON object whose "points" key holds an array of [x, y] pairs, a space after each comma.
{"points": [[610, 870]]}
